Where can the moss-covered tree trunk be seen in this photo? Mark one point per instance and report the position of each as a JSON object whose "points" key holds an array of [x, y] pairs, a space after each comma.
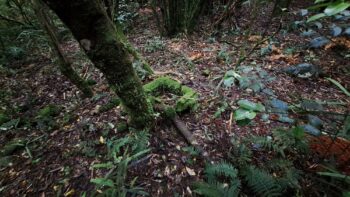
{"points": [[111, 7], [90, 25], [64, 64]]}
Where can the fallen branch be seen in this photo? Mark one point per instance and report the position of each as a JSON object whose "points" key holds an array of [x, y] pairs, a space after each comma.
{"points": [[182, 128]]}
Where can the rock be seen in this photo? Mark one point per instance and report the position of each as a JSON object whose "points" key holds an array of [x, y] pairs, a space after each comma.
{"points": [[304, 70], [309, 105], [311, 130], [278, 106], [315, 121], [318, 42], [265, 117], [285, 119]]}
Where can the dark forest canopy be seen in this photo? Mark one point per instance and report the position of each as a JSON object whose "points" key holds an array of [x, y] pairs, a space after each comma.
{"points": [[174, 98]]}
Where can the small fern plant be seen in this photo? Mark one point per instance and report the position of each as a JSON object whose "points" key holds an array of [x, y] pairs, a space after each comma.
{"points": [[261, 182], [121, 152], [277, 175], [221, 181]]}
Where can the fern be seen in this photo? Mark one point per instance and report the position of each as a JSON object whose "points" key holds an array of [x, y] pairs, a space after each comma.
{"points": [[287, 175], [214, 187], [209, 190], [240, 153], [139, 141], [221, 169], [122, 151], [261, 182]]}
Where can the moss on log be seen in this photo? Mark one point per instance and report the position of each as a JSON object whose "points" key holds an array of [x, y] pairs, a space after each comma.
{"points": [[188, 99]]}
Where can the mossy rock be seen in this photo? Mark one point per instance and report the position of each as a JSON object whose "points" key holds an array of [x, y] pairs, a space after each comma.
{"points": [[188, 99]]}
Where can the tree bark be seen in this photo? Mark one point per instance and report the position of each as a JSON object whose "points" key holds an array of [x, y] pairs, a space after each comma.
{"points": [[64, 64], [91, 26]]}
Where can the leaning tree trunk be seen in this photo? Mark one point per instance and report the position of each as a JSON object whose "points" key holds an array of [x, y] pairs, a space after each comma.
{"points": [[91, 26], [64, 64]]}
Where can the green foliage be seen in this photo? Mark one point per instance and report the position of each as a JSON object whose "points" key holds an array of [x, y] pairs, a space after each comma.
{"points": [[177, 16], [191, 150], [45, 117], [222, 181], [221, 109], [247, 110], [11, 146], [277, 175], [283, 141], [155, 44], [188, 99], [110, 105], [49, 110], [331, 8], [127, 12], [230, 78], [248, 105], [11, 124], [261, 182], [121, 152], [3, 118], [342, 88]]}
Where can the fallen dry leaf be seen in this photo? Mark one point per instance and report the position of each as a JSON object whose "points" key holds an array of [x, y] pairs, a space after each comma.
{"points": [[190, 171]]}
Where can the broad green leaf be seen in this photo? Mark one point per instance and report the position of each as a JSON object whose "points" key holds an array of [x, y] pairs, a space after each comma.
{"points": [[103, 182], [316, 17], [229, 81], [242, 114], [251, 105], [336, 8], [230, 77], [342, 88]]}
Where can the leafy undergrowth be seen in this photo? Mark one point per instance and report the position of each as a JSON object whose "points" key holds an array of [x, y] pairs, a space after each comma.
{"points": [[53, 142]]}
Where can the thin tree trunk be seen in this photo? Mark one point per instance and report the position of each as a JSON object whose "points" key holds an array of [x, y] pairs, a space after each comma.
{"points": [[90, 25], [64, 64]]}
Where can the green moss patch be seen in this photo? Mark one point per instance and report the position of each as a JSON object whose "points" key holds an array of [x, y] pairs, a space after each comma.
{"points": [[188, 99]]}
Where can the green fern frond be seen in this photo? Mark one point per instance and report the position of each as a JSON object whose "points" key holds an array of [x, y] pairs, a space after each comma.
{"points": [[208, 190], [240, 154], [221, 169], [290, 179], [279, 164], [261, 182], [216, 188]]}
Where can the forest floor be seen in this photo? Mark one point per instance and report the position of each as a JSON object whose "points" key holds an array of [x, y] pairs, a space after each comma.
{"points": [[60, 161]]}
